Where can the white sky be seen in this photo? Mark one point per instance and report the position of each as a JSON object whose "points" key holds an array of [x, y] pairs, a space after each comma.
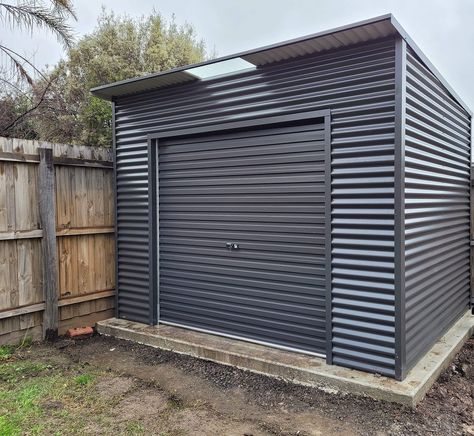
{"points": [[443, 29]]}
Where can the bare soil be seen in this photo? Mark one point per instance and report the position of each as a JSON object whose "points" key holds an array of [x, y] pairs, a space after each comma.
{"points": [[164, 393], [222, 400]]}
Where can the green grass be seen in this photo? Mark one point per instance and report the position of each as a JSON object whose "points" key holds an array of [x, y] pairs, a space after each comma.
{"points": [[134, 428], [32, 392], [19, 406], [41, 395], [84, 379], [14, 371], [6, 351]]}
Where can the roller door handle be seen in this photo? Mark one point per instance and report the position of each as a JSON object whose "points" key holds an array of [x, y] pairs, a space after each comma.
{"points": [[232, 246]]}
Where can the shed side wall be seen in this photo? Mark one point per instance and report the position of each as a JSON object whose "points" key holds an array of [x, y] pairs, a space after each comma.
{"points": [[357, 84], [437, 191]]}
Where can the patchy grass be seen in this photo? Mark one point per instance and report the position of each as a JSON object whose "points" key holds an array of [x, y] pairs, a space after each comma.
{"points": [[6, 351], [134, 428], [175, 402], [84, 379], [35, 394], [43, 396]]}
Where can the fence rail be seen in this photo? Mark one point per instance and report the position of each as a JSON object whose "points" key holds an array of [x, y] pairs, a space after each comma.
{"points": [[56, 238]]}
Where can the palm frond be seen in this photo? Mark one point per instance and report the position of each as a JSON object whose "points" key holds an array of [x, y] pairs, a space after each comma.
{"points": [[18, 62], [64, 7], [17, 65], [30, 15]]}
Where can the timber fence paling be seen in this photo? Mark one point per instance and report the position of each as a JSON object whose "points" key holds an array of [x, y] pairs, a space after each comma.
{"points": [[57, 267]]}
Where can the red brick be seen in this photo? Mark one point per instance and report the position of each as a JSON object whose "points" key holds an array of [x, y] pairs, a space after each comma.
{"points": [[80, 332]]}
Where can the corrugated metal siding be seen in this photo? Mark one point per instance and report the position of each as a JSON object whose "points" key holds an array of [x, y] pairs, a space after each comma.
{"points": [[437, 191], [357, 84], [262, 188]]}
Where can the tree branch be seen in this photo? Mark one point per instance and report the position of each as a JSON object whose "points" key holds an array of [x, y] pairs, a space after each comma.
{"points": [[33, 108]]}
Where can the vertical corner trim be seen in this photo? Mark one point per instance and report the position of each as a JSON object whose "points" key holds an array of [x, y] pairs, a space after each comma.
{"points": [[114, 157], [399, 207], [471, 218], [152, 229], [328, 235]]}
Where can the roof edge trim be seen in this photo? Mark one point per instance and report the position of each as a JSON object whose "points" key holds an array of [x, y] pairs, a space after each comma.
{"points": [[428, 63], [122, 87], [98, 90]]}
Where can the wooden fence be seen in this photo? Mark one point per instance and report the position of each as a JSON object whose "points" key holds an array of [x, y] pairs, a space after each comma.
{"points": [[56, 200]]}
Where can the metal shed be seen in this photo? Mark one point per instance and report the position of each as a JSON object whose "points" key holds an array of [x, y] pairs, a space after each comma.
{"points": [[312, 195]]}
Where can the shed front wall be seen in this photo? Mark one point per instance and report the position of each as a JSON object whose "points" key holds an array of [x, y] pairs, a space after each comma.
{"points": [[357, 85]]}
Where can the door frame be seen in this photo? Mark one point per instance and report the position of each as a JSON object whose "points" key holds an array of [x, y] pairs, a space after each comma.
{"points": [[153, 140]]}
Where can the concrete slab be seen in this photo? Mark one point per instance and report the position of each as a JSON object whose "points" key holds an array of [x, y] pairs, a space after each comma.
{"points": [[299, 368]]}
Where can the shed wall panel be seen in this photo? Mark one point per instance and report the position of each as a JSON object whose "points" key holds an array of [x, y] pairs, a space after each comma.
{"points": [[357, 85], [437, 210]]}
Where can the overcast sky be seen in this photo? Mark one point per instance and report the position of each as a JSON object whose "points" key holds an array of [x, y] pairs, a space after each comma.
{"points": [[443, 29]]}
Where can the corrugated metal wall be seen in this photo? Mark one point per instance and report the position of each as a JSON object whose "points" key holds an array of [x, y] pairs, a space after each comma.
{"points": [[437, 192], [357, 84]]}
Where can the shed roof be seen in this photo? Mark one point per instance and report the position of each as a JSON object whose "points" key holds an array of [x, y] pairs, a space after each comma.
{"points": [[344, 36]]}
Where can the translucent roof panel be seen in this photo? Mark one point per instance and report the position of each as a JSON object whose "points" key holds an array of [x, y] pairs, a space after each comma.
{"points": [[228, 66]]}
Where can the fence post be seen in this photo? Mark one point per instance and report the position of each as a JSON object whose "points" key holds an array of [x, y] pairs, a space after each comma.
{"points": [[47, 211]]}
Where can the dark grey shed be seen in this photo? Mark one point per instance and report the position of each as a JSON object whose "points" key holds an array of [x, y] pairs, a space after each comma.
{"points": [[317, 202]]}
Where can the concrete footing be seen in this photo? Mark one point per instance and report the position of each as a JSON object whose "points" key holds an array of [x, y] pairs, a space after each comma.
{"points": [[299, 368]]}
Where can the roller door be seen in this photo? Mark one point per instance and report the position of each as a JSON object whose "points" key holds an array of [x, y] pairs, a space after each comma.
{"points": [[241, 221]]}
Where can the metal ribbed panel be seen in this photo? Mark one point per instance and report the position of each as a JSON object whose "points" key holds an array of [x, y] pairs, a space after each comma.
{"points": [[264, 190], [345, 36], [339, 39], [357, 84], [437, 191]]}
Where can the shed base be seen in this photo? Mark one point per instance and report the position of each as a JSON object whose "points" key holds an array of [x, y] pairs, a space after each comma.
{"points": [[299, 368]]}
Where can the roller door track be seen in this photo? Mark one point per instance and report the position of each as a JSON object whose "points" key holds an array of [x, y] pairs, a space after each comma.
{"points": [[242, 233]]}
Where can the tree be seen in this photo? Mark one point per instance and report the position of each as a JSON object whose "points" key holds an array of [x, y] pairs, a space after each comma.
{"points": [[20, 90], [119, 48]]}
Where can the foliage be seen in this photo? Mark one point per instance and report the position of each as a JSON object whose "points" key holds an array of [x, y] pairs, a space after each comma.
{"points": [[119, 48], [23, 86]]}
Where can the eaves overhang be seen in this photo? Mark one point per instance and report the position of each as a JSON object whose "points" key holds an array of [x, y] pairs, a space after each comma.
{"points": [[345, 36]]}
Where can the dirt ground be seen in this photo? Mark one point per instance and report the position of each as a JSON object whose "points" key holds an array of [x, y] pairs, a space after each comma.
{"points": [[107, 386]]}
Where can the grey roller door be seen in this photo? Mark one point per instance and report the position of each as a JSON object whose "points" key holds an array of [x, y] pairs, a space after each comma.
{"points": [[263, 189]]}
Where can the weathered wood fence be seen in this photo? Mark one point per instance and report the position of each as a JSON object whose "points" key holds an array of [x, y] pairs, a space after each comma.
{"points": [[57, 267]]}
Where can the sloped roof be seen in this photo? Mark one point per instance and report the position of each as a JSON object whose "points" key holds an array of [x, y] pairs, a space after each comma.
{"points": [[345, 36]]}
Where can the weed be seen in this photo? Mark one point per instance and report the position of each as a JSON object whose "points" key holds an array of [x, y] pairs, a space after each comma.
{"points": [[134, 428], [83, 379], [26, 342], [175, 402], [6, 351]]}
